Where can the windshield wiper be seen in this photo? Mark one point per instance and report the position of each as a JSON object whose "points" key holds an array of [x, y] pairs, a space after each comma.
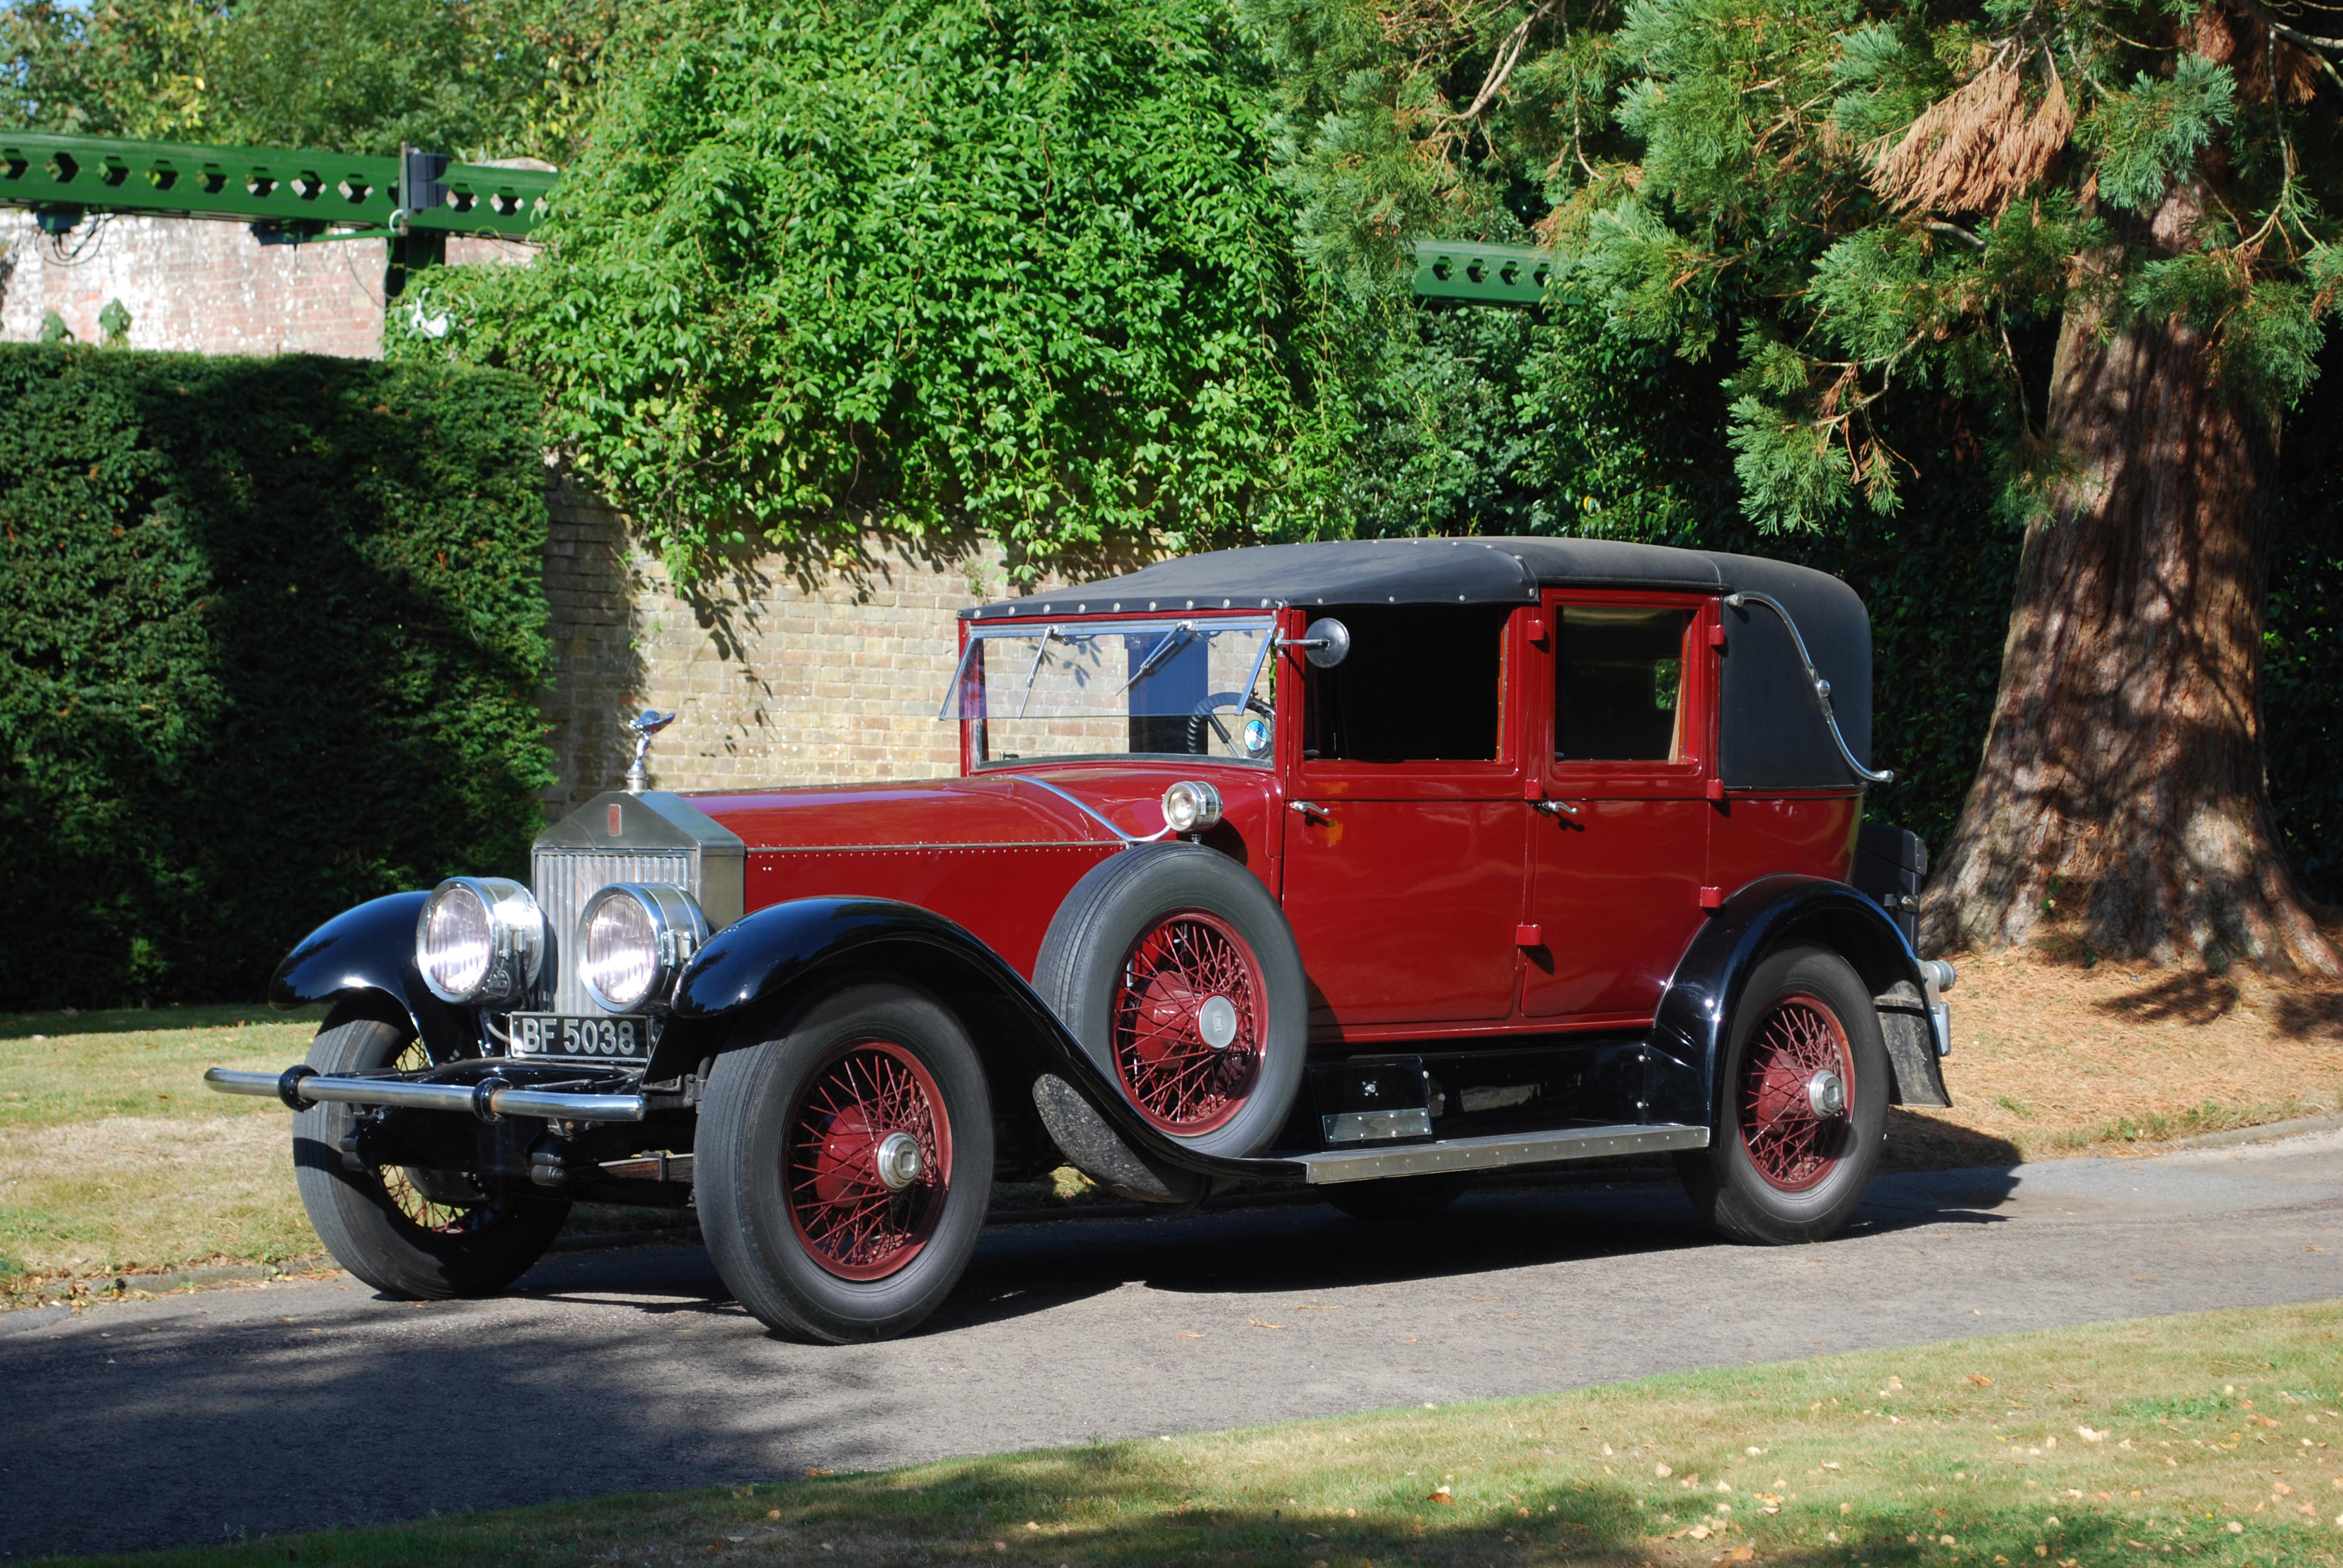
{"points": [[1176, 638], [1048, 637]]}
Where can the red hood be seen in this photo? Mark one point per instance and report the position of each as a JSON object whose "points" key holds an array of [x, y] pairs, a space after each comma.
{"points": [[991, 809]]}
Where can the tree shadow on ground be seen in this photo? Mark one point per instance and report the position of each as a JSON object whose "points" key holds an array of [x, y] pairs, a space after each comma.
{"points": [[139, 1020], [2194, 997], [1308, 1495], [2301, 1010], [2304, 1013]]}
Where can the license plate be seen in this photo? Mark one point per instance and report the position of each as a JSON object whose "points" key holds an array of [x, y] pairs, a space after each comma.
{"points": [[551, 1034]]}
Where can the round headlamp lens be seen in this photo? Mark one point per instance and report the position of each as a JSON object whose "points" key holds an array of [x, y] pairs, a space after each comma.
{"points": [[1191, 806], [622, 956], [480, 940], [458, 941]]}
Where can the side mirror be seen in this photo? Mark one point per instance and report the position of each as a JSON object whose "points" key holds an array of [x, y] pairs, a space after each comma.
{"points": [[1326, 643]]}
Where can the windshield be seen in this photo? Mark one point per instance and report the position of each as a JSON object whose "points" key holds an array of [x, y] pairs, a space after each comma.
{"points": [[1153, 687]]}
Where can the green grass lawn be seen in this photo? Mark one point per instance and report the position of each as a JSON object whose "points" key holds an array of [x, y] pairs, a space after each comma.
{"points": [[2214, 1439], [115, 1160], [114, 1156]]}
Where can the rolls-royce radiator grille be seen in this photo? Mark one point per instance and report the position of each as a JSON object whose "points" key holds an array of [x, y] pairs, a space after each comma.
{"points": [[566, 878]]}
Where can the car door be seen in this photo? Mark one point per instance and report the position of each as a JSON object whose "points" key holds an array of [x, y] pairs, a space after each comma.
{"points": [[1618, 848], [1405, 837]]}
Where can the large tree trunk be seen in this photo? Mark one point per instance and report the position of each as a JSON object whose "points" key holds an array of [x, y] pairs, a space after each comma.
{"points": [[2121, 796]]}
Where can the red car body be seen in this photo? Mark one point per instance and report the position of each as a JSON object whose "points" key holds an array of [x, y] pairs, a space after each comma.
{"points": [[1521, 851]]}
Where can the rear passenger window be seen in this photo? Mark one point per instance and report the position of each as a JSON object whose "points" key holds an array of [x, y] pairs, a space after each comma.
{"points": [[1421, 685], [1618, 684]]}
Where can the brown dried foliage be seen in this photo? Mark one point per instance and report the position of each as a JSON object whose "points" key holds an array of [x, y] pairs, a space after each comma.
{"points": [[2266, 68], [1976, 150]]}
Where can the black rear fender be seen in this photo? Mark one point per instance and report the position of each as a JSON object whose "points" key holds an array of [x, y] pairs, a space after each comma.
{"points": [[1771, 913], [362, 962]]}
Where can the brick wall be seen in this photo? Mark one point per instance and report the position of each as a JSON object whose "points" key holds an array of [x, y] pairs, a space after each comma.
{"points": [[205, 286], [785, 668], [208, 287]]}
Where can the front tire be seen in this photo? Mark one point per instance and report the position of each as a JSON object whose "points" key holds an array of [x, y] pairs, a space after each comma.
{"points": [[1175, 969], [844, 1166], [378, 1222], [1804, 1105]]}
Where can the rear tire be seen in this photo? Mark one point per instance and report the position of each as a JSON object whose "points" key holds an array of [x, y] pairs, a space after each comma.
{"points": [[377, 1223], [1399, 1199], [816, 1219], [1781, 1168], [1174, 968]]}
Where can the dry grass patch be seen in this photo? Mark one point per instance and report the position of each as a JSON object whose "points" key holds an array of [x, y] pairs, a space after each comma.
{"points": [[2210, 1440], [114, 1156], [134, 1192], [2052, 1058]]}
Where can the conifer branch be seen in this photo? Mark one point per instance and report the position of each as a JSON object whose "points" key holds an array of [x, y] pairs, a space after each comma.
{"points": [[2292, 35]]}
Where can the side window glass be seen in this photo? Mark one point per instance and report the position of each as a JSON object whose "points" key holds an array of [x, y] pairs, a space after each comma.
{"points": [[1618, 684], [1422, 683]]}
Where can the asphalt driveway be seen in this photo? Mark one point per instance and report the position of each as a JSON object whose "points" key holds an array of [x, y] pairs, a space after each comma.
{"points": [[189, 1419]]}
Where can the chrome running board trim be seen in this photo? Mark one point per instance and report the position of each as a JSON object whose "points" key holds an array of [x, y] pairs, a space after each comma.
{"points": [[1489, 1153], [488, 1099]]}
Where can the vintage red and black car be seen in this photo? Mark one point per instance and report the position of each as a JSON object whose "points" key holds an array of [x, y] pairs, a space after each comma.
{"points": [[1368, 867]]}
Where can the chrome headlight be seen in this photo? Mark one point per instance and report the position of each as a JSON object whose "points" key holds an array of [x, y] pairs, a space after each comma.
{"points": [[1190, 806], [633, 940], [480, 940]]}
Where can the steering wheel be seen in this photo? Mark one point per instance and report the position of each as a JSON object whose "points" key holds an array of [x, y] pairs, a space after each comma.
{"points": [[1202, 715]]}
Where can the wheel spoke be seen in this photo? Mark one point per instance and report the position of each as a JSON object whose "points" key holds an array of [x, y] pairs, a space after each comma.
{"points": [[1791, 1145], [851, 1222], [1174, 1077]]}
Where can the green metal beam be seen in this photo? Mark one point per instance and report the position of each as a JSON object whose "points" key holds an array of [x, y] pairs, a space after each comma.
{"points": [[295, 194], [1481, 273]]}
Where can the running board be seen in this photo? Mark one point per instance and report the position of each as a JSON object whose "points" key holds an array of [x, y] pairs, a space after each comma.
{"points": [[1490, 1154]]}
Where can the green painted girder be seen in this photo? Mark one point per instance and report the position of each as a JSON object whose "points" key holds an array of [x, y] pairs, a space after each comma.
{"points": [[1481, 273], [303, 191]]}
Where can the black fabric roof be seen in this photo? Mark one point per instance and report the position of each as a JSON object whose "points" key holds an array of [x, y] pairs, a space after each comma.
{"points": [[1407, 571], [1772, 735]]}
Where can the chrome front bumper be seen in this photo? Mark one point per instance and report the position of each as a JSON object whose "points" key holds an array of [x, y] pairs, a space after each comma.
{"points": [[490, 1099]]}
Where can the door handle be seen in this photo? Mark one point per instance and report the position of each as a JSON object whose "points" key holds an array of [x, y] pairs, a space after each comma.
{"points": [[1310, 809], [1558, 807]]}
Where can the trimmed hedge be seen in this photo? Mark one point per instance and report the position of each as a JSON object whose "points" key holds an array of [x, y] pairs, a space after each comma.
{"points": [[272, 638]]}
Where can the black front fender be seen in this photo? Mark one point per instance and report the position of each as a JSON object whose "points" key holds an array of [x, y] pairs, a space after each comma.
{"points": [[370, 951], [1697, 1008], [753, 968]]}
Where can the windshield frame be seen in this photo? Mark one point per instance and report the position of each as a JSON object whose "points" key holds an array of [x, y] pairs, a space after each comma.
{"points": [[1268, 621]]}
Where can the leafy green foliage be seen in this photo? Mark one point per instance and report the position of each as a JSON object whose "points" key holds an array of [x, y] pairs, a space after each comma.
{"points": [[272, 637], [1017, 264], [482, 78], [1867, 202], [2149, 134], [1462, 422]]}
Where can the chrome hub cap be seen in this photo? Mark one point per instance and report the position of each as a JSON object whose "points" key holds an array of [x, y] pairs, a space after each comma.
{"points": [[898, 1161], [1826, 1094], [1216, 1022]]}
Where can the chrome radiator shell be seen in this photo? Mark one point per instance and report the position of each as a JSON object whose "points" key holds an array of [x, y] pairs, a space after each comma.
{"points": [[655, 837]]}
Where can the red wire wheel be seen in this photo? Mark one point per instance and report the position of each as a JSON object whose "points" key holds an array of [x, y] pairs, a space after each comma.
{"points": [[867, 1160], [1797, 1084], [1188, 1021]]}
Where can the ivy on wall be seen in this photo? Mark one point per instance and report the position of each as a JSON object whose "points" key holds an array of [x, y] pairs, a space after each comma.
{"points": [[1017, 264], [272, 639]]}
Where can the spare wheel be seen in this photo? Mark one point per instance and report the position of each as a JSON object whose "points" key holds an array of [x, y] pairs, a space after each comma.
{"points": [[1175, 969]]}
